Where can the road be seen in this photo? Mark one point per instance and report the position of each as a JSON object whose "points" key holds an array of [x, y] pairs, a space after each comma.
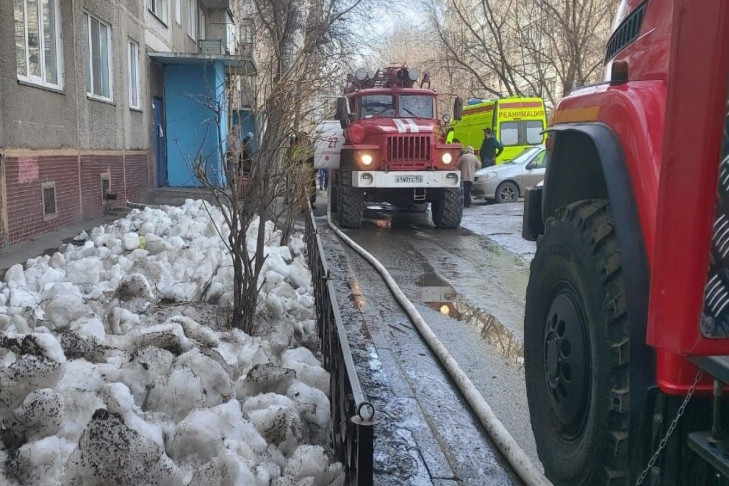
{"points": [[469, 286]]}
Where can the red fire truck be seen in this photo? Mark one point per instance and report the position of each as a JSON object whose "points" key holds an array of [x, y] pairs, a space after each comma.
{"points": [[394, 149], [627, 310]]}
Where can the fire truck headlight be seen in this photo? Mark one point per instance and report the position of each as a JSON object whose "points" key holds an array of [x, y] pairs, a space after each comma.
{"points": [[446, 158], [366, 159]]}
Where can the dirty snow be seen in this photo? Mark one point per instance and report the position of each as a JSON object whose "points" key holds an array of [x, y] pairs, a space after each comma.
{"points": [[100, 383]]}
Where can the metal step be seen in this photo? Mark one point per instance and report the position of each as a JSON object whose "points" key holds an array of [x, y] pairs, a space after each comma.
{"points": [[712, 450], [716, 366]]}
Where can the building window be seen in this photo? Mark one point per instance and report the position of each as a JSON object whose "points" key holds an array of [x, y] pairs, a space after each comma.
{"points": [[158, 8], [38, 42], [192, 19], [98, 58], [178, 12], [48, 194], [201, 30], [134, 91]]}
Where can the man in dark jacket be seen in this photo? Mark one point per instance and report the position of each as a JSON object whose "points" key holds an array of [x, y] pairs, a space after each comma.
{"points": [[490, 148]]}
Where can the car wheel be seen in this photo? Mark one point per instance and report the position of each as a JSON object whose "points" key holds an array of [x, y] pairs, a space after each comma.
{"points": [[507, 192]]}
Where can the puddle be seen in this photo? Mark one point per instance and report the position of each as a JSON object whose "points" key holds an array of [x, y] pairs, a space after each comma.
{"points": [[443, 298]]}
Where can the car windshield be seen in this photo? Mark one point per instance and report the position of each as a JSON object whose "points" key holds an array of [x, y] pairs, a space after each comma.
{"points": [[416, 106], [377, 105], [526, 155]]}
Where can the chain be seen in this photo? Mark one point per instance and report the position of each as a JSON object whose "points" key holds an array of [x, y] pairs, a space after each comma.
{"points": [[664, 440]]}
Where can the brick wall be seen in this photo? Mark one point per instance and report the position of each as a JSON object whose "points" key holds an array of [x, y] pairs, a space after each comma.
{"points": [[92, 167], [137, 176], [24, 176], [4, 238]]}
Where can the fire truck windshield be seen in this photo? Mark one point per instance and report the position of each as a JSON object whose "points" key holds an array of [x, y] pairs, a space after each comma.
{"points": [[416, 106], [377, 106]]}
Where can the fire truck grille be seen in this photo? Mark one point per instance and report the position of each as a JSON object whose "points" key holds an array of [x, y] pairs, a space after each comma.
{"points": [[408, 151], [715, 316]]}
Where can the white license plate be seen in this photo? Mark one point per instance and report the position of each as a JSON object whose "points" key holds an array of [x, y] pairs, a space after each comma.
{"points": [[408, 179]]}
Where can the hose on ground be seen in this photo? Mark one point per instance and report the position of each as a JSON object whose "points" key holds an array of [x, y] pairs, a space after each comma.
{"points": [[515, 455]]}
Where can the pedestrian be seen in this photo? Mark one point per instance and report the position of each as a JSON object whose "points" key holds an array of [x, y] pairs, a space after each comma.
{"points": [[490, 148], [468, 163], [233, 153], [323, 179], [450, 135], [247, 153], [301, 154]]}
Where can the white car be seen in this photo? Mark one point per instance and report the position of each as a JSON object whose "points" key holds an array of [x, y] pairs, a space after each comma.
{"points": [[507, 182]]}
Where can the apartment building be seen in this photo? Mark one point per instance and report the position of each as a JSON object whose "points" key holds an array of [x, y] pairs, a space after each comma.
{"points": [[102, 99], [193, 49], [73, 121]]}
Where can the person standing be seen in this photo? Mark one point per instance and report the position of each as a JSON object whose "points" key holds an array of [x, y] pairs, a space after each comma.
{"points": [[323, 179], [468, 163], [247, 154], [233, 153], [490, 148]]}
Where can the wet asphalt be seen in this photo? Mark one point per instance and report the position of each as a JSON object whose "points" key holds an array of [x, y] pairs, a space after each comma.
{"points": [[470, 290]]}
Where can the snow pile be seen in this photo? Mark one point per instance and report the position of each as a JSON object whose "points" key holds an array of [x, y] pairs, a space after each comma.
{"points": [[102, 383]]}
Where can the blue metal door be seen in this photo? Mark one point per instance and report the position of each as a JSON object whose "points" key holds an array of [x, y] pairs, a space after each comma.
{"points": [[160, 144]]}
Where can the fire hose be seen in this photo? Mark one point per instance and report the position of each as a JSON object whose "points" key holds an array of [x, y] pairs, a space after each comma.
{"points": [[515, 455]]}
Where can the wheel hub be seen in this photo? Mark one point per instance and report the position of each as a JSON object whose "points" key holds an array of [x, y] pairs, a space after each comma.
{"points": [[507, 193], [566, 361]]}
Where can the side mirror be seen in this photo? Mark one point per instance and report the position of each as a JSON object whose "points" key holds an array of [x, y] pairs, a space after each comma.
{"points": [[531, 165], [458, 108]]}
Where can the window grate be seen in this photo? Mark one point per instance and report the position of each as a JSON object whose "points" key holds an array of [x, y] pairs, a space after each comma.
{"points": [[48, 192], [626, 33], [105, 187]]}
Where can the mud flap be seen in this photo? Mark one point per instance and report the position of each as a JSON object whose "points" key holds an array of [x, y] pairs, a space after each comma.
{"points": [[532, 224]]}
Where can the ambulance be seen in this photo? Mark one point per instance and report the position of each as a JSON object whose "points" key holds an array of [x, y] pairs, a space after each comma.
{"points": [[517, 122]]}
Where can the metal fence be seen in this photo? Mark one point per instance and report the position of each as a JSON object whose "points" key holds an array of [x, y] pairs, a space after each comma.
{"points": [[352, 415]]}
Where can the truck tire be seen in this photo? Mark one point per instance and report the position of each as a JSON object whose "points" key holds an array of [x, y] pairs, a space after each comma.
{"points": [[350, 202], [447, 208], [575, 327]]}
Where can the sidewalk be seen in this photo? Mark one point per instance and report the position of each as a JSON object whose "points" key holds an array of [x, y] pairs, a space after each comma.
{"points": [[50, 242]]}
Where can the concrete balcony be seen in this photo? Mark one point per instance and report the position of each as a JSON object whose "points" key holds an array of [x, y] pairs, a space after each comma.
{"points": [[245, 50], [217, 4], [214, 47]]}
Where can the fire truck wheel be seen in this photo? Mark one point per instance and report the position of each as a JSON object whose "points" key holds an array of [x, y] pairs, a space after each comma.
{"points": [[350, 205], [574, 322], [447, 208]]}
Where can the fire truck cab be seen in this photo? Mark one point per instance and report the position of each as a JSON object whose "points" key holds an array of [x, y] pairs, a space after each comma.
{"points": [[394, 149], [626, 329]]}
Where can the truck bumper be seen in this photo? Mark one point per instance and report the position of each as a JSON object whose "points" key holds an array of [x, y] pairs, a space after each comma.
{"points": [[406, 179]]}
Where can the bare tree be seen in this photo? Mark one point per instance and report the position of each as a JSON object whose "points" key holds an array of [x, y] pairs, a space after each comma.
{"points": [[523, 47], [301, 48]]}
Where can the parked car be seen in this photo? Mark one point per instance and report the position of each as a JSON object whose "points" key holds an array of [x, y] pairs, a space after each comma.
{"points": [[508, 181]]}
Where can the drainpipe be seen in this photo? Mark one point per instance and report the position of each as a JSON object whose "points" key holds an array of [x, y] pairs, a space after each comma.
{"points": [[4, 203], [78, 105]]}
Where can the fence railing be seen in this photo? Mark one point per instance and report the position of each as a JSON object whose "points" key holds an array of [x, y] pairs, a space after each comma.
{"points": [[352, 414]]}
